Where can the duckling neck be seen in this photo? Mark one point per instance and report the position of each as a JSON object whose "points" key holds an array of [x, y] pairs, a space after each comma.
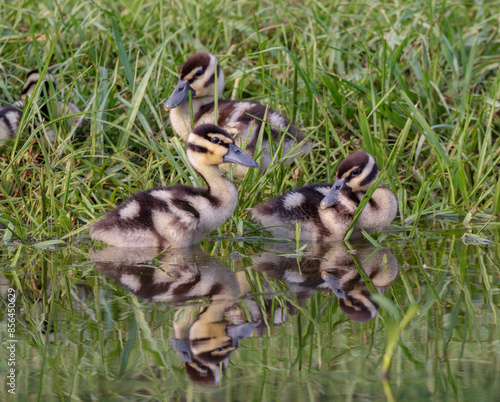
{"points": [[220, 188], [180, 117]]}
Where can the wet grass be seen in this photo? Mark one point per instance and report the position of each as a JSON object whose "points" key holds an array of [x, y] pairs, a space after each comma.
{"points": [[416, 84]]}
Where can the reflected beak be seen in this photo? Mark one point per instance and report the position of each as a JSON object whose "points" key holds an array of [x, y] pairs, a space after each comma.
{"points": [[182, 347], [236, 155], [334, 283], [179, 95], [332, 197]]}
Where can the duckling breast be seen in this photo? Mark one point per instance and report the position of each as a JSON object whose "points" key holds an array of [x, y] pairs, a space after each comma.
{"points": [[379, 212]]}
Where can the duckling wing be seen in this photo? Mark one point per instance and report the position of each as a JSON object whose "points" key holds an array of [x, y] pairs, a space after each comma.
{"points": [[159, 217], [244, 119], [301, 204]]}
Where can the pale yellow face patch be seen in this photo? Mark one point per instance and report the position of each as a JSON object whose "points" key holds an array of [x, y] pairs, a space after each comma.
{"points": [[192, 73], [347, 174]]}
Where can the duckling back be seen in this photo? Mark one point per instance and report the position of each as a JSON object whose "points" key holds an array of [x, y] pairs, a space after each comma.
{"points": [[244, 120]]}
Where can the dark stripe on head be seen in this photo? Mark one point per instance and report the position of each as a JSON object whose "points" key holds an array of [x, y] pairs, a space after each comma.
{"points": [[348, 286], [211, 80], [359, 159], [197, 148], [195, 61], [200, 341], [372, 176], [356, 315], [209, 357], [204, 130]]}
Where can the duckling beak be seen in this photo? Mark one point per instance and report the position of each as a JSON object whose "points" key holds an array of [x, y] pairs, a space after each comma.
{"points": [[179, 95], [236, 155], [332, 197], [182, 346], [334, 283]]}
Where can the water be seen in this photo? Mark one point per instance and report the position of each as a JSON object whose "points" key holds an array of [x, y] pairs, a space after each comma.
{"points": [[416, 318]]}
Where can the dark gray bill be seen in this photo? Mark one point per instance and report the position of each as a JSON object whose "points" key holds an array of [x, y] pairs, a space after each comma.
{"points": [[236, 155], [334, 283], [179, 95], [332, 197], [182, 347], [238, 332]]}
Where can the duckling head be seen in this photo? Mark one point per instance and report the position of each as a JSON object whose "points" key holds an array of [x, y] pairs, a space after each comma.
{"points": [[31, 80], [356, 173], [197, 78], [210, 145]]}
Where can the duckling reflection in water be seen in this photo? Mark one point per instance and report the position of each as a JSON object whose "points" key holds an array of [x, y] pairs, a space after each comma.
{"points": [[204, 339], [242, 119], [325, 211], [206, 336], [179, 216], [11, 115], [334, 269]]}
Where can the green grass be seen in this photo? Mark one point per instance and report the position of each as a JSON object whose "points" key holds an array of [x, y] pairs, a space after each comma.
{"points": [[415, 83]]}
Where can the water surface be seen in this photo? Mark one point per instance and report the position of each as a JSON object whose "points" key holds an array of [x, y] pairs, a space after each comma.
{"points": [[414, 318]]}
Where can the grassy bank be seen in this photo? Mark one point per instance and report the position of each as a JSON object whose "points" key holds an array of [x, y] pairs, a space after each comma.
{"points": [[416, 84]]}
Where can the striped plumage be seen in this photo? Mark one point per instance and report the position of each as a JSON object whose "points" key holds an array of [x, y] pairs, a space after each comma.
{"points": [[204, 337], [179, 216], [333, 268], [242, 119], [10, 115], [325, 211]]}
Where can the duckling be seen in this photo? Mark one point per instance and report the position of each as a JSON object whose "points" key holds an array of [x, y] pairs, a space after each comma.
{"points": [[179, 216], [10, 115], [325, 211], [242, 119], [342, 276], [333, 268]]}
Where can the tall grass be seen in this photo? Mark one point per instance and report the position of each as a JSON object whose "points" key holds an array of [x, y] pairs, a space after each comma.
{"points": [[415, 84]]}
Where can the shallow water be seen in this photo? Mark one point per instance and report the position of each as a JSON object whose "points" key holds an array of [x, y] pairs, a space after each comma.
{"points": [[416, 318]]}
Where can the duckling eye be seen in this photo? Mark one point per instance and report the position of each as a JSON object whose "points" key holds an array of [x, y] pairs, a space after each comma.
{"points": [[218, 350], [355, 172], [198, 73], [216, 140]]}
